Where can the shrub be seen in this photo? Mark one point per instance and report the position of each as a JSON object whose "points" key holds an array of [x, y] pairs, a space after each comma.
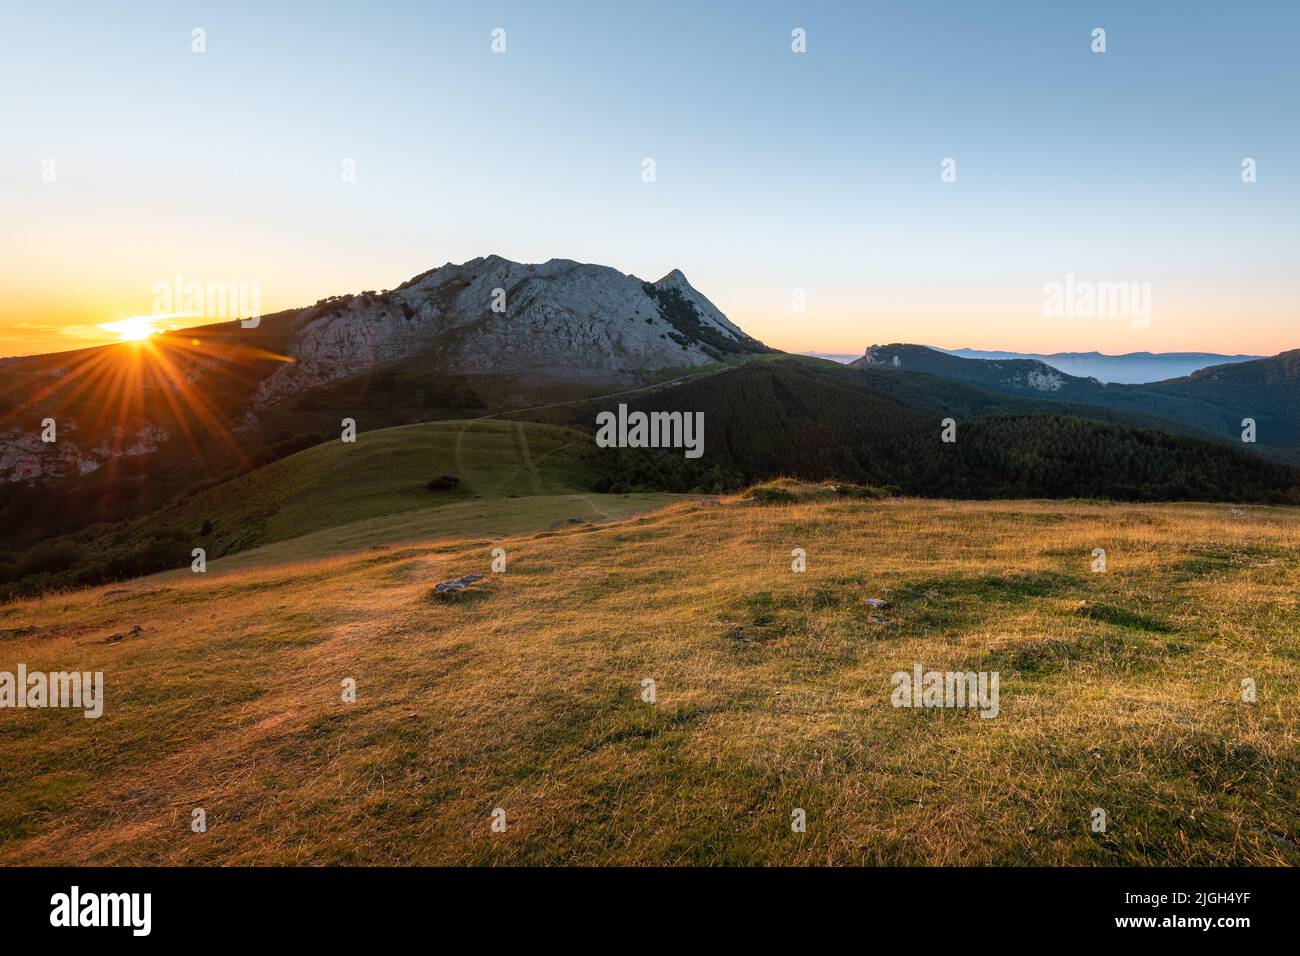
{"points": [[771, 494], [863, 491], [49, 556]]}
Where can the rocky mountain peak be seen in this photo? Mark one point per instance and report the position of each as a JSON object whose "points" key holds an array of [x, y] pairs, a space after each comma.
{"points": [[559, 320]]}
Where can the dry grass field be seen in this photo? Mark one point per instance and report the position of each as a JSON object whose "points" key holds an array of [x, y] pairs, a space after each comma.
{"points": [[772, 693]]}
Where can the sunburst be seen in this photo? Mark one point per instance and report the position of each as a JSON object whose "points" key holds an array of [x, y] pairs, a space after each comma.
{"points": [[113, 390]]}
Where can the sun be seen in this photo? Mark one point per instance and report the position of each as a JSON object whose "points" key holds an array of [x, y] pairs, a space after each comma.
{"points": [[136, 328]]}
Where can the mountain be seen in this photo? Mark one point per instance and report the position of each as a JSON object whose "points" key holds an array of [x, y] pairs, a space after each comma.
{"points": [[1212, 402], [1011, 376], [557, 321], [1130, 368], [139, 424], [1219, 398]]}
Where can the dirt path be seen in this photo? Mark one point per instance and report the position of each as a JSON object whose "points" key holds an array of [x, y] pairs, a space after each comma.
{"points": [[533, 479], [598, 509], [460, 458]]}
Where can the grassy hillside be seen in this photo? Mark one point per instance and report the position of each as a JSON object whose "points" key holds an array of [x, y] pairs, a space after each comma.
{"points": [[1119, 690], [474, 518], [382, 473], [386, 472]]}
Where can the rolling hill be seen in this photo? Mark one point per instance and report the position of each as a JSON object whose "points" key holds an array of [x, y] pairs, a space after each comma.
{"points": [[506, 477]]}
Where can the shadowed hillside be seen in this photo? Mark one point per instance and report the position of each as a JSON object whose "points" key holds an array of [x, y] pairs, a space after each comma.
{"points": [[814, 420], [1211, 402]]}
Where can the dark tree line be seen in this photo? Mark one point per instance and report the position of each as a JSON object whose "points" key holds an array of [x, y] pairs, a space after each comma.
{"points": [[794, 419]]}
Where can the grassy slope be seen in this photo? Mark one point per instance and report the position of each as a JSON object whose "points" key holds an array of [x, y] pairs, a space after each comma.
{"points": [[773, 693], [336, 497], [384, 473], [472, 519]]}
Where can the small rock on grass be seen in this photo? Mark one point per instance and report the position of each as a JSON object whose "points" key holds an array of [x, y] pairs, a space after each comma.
{"points": [[449, 588], [135, 631]]}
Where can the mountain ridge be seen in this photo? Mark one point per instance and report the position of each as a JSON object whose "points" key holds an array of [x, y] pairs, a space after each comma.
{"points": [[1214, 401], [560, 319], [1129, 368]]}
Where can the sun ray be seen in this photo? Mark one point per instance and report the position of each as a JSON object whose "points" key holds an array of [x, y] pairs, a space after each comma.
{"points": [[197, 406], [179, 380]]}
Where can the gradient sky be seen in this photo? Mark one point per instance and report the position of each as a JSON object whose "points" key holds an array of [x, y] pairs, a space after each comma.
{"points": [[775, 170]]}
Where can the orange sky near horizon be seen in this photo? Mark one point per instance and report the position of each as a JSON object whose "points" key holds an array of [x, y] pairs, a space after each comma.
{"points": [[38, 318]]}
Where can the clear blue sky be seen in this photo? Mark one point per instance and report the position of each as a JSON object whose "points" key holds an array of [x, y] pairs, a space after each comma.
{"points": [[775, 171]]}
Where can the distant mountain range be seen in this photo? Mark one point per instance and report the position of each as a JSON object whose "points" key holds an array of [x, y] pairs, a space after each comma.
{"points": [[1131, 368], [844, 358]]}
